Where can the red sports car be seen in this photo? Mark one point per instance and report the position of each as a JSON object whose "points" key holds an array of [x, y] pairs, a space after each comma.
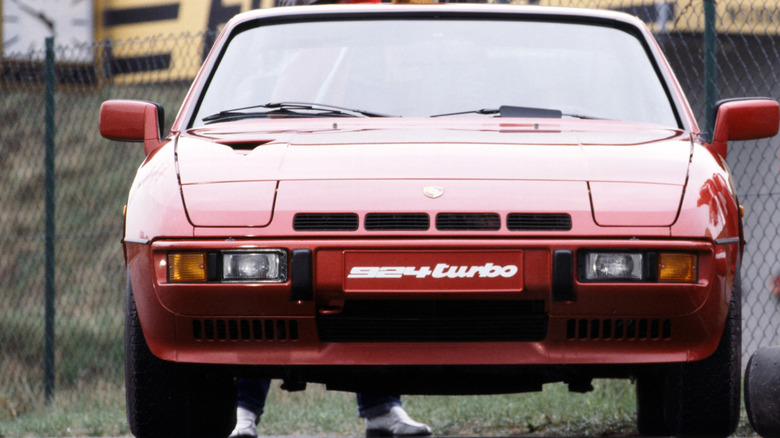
{"points": [[434, 199]]}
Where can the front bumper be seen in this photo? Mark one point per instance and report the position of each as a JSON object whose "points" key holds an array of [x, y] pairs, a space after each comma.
{"points": [[520, 321]]}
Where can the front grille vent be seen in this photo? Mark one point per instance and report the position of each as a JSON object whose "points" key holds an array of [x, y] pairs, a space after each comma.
{"points": [[422, 222], [538, 222], [245, 329], [590, 329], [325, 222], [435, 321], [397, 222], [468, 222]]}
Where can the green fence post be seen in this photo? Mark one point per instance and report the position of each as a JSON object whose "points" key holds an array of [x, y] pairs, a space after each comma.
{"points": [[50, 79], [710, 64]]}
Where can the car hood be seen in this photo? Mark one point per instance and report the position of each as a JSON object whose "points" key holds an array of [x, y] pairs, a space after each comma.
{"points": [[621, 174]]}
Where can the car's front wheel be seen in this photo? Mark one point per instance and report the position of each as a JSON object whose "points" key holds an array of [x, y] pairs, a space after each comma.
{"points": [[167, 399], [698, 398]]}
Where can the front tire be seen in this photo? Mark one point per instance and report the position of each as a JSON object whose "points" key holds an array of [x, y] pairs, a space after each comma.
{"points": [[698, 398], [168, 399]]}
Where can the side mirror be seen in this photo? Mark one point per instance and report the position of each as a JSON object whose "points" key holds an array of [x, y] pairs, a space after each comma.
{"points": [[132, 120], [744, 119]]}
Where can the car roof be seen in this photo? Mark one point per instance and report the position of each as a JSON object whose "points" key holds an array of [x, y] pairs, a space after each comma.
{"points": [[465, 8]]}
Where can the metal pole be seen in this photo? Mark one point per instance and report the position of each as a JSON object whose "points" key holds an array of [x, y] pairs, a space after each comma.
{"points": [[50, 79], [710, 64]]}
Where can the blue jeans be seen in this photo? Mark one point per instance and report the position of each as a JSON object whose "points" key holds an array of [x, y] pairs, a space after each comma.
{"points": [[253, 392]]}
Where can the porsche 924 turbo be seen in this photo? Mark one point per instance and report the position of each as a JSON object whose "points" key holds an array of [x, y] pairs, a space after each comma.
{"points": [[433, 199]]}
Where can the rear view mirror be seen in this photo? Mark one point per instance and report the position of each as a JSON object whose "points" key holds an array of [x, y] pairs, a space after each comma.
{"points": [[744, 119], [132, 120]]}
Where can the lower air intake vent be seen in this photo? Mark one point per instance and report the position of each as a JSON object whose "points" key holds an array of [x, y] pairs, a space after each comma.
{"points": [[245, 329], [651, 329], [468, 222], [325, 222], [538, 222], [397, 222], [435, 321]]}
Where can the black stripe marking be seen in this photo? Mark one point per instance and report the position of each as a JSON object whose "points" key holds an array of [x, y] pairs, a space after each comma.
{"points": [[118, 17]]}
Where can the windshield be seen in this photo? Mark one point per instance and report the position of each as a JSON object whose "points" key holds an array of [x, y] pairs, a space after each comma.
{"points": [[437, 67]]}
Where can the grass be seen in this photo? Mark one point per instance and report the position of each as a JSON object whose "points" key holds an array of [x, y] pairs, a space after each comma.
{"points": [[89, 411], [608, 411]]}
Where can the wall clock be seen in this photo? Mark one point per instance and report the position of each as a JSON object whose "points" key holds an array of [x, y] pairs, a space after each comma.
{"points": [[27, 23]]}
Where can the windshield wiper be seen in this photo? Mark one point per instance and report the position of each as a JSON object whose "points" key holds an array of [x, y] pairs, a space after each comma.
{"points": [[518, 111], [289, 109]]}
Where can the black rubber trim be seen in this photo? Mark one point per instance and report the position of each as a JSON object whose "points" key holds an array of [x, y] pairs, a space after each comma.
{"points": [[301, 275], [563, 275]]}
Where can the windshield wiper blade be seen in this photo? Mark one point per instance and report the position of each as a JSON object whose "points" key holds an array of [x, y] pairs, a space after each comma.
{"points": [[518, 111], [479, 111], [512, 111], [325, 107], [290, 109]]}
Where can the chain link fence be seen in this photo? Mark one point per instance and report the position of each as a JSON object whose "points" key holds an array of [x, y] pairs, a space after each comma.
{"points": [[76, 348], [85, 357]]}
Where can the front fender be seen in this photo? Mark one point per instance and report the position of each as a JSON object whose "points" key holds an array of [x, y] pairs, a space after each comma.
{"points": [[155, 207]]}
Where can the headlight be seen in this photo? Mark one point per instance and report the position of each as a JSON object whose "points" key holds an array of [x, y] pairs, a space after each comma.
{"points": [[262, 265], [254, 266], [614, 266], [648, 266]]}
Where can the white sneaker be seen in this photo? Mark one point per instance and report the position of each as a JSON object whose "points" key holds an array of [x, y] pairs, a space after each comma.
{"points": [[246, 424], [396, 422]]}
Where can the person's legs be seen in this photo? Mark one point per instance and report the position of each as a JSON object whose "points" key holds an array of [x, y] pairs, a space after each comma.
{"points": [[385, 416], [383, 413], [251, 402]]}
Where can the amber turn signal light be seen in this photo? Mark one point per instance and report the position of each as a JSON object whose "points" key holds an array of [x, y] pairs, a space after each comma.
{"points": [[186, 267], [677, 267]]}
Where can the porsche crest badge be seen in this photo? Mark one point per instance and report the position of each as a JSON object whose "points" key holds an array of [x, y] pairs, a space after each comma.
{"points": [[433, 192]]}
